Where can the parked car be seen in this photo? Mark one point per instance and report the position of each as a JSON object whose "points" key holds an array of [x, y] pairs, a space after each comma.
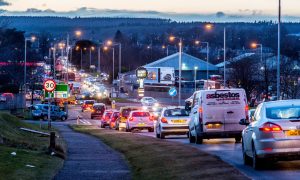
{"points": [[139, 120], [273, 134], [87, 105], [97, 110], [8, 96], [173, 121], [113, 118], [216, 114], [105, 118], [40, 111], [2, 98], [124, 113], [148, 101]]}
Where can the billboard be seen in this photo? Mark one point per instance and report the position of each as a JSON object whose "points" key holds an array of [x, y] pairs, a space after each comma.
{"points": [[153, 76], [167, 75], [160, 75]]}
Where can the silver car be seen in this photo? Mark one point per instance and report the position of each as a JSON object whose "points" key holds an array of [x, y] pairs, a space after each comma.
{"points": [[174, 120], [273, 133], [149, 101]]}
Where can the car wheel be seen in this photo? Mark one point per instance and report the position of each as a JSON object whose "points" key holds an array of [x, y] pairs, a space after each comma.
{"points": [[81, 110], [45, 117], [162, 135], [247, 160], [63, 118], [238, 139], [191, 138], [256, 162], [198, 139], [101, 125], [150, 130], [92, 117]]}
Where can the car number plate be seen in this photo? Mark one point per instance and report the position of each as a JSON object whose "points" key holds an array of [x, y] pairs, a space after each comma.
{"points": [[213, 126], [293, 133], [179, 121], [141, 124]]}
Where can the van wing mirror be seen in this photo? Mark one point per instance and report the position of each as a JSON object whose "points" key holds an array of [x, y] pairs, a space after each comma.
{"points": [[188, 106], [244, 122]]}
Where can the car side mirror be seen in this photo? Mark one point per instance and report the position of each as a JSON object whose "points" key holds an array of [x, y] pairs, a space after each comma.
{"points": [[188, 107], [244, 122]]}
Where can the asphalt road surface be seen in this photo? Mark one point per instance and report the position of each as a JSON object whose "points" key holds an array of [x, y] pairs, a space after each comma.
{"points": [[226, 149]]}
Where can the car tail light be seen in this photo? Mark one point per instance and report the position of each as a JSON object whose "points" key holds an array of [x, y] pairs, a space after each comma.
{"points": [[270, 127], [246, 112], [131, 119], [151, 118], [164, 120]]}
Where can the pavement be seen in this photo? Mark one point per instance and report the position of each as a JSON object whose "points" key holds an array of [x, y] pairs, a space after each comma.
{"points": [[89, 158]]}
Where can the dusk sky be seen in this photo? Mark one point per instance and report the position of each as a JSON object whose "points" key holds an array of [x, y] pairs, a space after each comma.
{"points": [[290, 7]]}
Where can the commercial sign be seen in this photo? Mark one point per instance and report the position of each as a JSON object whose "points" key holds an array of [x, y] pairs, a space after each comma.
{"points": [[167, 75], [141, 73]]}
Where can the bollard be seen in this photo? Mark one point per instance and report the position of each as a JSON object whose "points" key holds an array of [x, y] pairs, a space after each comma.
{"points": [[52, 142]]}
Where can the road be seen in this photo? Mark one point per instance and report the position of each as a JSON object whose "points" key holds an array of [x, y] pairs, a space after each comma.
{"points": [[226, 149]]}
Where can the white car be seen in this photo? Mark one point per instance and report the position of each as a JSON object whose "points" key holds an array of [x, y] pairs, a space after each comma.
{"points": [[273, 134], [149, 101], [139, 120], [217, 113], [173, 121]]}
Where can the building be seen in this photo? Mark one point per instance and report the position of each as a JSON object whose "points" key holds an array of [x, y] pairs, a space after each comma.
{"points": [[190, 66]]}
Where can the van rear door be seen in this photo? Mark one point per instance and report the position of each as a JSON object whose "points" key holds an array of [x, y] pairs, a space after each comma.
{"points": [[213, 112]]}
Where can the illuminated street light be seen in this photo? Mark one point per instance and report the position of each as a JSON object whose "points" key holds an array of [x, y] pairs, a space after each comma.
{"points": [[208, 26], [78, 33]]}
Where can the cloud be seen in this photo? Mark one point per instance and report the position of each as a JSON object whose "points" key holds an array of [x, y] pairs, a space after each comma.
{"points": [[243, 15], [4, 3]]}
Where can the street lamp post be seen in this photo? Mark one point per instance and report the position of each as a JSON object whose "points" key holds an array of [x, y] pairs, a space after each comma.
{"points": [[207, 57], [172, 38], [224, 57], [278, 51], [195, 77], [32, 39]]}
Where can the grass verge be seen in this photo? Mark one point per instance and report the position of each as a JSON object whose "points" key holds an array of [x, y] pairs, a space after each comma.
{"points": [[120, 100], [30, 150], [152, 158]]}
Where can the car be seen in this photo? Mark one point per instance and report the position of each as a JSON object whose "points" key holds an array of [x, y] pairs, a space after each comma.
{"points": [[40, 111], [251, 113], [148, 101], [273, 134], [87, 105], [124, 113], [216, 114], [139, 120], [97, 110], [2, 98], [173, 121], [112, 122], [105, 118]]}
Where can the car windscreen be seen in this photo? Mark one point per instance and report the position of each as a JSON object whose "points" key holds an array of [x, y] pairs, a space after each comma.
{"points": [[176, 112], [89, 102], [283, 112], [99, 108], [126, 112], [140, 114]]}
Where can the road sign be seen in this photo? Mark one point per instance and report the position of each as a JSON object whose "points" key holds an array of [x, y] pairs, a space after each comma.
{"points": [[173, 92], [49, 85]]}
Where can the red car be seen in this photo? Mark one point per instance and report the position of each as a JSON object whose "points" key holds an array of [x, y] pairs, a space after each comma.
{"points": [[112, 123], [105, 118], [87, 105]]}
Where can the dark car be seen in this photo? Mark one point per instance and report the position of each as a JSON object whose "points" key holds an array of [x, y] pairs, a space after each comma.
{"points": [[105, 118], [97, 110]]}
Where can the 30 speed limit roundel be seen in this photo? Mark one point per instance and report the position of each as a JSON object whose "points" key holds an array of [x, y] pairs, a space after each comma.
{"points": [[49, 85]]}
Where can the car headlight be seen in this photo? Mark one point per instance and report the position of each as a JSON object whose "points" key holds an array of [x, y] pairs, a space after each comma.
{"points": [[99, 94], [156, 104], [144, 108], [83, 96]]}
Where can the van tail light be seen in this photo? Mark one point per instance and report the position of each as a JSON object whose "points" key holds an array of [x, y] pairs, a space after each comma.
{"points": [[131, 119], [164, 120], [200, 114], [270, 127], [247, 112]]}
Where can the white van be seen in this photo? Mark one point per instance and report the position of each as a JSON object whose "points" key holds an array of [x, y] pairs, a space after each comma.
{"points": [[216, 114]]}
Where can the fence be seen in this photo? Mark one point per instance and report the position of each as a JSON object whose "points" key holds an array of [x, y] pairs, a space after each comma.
{"points": [[18, 101]]}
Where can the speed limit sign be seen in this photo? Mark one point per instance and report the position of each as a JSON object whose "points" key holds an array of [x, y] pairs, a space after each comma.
{"points": [[49, 85]]}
